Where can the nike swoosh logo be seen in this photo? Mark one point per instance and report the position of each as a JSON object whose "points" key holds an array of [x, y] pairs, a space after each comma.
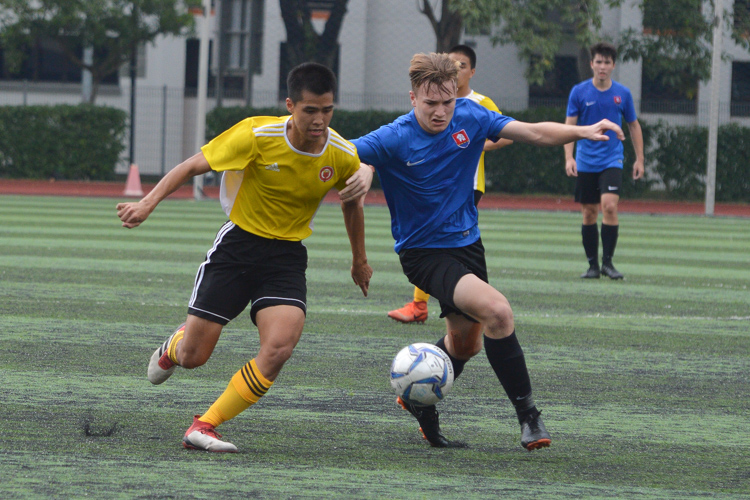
{"points": [[590, 103], [411, 164]]}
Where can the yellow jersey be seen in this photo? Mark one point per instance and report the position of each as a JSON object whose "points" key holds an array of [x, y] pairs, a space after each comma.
{"points": [[268, 187], [485, 101]]}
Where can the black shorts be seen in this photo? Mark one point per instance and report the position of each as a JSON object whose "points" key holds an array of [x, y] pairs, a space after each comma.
{"points": [[591, 185], [242, 267], [438, 270]]}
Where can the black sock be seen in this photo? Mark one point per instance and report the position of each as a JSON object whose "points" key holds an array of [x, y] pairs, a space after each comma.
{"points": [[609, 242], [507, 360], [458, 364], [590, 237]]}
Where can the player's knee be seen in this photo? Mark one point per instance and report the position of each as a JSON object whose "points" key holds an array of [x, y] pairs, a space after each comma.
{"points": [[277, 355], [499, 316], [609, 209], [192, 358], [590, 216]]}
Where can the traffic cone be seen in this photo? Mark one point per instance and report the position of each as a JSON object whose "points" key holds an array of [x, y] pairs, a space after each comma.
{"points": [[133, 184]]}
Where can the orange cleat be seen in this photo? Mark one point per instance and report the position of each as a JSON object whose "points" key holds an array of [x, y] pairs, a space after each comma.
{"points": [[413, 312]]}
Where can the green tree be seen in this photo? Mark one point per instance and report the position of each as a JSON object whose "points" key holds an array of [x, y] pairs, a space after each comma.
{"points": [[675, 42], [676, 39], [112, 28], [449, 27], [303, 42]]}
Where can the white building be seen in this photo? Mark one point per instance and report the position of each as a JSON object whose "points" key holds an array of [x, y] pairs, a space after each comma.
{"points": [[377, 40]]}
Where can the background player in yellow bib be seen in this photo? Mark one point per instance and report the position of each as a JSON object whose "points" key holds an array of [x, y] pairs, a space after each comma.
{"points": [[277, 171], [466, 58]]}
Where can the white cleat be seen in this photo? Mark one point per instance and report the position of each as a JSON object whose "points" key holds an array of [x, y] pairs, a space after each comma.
{"points": [[160, 367], [203, 436]]}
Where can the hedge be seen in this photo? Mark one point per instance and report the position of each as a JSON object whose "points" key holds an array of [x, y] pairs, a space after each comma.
{"points": [[81, 142], [85, 142]]}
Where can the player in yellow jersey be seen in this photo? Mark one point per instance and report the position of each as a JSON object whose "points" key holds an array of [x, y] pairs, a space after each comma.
{"points": [[416, 311], [276, 172]]}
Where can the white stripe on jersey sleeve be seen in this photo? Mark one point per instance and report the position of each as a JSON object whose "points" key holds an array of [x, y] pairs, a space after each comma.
{"points": [[272, 130], [342, 144]]}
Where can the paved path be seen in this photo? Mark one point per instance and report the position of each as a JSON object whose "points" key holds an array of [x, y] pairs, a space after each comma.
{"points": [[489, 201]]}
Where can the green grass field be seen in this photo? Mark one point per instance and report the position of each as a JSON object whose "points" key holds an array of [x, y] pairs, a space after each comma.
{"points": [[644, 383]]}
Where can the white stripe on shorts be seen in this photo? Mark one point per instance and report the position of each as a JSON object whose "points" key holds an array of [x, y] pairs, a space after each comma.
{"points": [[228, 226], [304, 306]]}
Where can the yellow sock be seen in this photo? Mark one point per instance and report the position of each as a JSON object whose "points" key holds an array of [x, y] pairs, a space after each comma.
{"points": [[172, 350], [420, 296], [247, 386]]}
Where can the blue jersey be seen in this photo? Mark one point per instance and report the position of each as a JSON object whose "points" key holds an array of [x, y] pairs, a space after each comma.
{"points": [[428, 179], [591, 105]]}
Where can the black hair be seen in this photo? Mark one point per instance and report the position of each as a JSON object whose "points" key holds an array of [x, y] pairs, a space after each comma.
{"points": [[604, 49], [312, 77], [467, 51]]}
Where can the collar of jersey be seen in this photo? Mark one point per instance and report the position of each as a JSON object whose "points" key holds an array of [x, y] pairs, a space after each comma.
{"points": [[289, 143]]}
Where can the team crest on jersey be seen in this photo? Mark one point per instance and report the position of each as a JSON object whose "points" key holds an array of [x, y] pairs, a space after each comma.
{"points": [[461, 138], [326, 173], [618, 100]]}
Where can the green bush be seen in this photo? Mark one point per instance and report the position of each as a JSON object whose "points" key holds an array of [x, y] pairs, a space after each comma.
{"points": [[732, 165], [350, 124], [220, 119], [681, 160], [523, 168], [675, 156], [81, 142]]}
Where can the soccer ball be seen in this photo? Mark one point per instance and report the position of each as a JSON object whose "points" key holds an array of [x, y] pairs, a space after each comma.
{"points": [[421, 374]]}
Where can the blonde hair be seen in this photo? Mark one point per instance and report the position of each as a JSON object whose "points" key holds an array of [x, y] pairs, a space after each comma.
{"points": [[432, 69]]}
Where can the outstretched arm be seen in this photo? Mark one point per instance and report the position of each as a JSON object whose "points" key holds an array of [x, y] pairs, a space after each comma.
{"points": [[354, 219], [133, 214], [557, 134]]}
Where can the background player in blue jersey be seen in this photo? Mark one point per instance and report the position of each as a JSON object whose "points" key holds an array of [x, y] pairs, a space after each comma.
{"points": [[598, 165], [426, 161]]}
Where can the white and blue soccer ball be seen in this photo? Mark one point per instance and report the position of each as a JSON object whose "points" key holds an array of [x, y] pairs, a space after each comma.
{"points": [[421, 374]]}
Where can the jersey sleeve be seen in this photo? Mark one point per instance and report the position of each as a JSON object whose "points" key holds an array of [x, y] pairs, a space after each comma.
{"points": [[371, 148], [628, 110], [497, 123], [349, 168], [573, 107], [234, 149]]}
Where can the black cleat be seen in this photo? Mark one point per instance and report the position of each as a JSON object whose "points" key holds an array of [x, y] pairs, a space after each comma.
{"points": [[427, 416], [592, 273], [533, 433], [609, 270]]}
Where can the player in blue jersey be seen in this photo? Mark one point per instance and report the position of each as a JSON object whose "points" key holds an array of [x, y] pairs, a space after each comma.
{"points": [[598, 165], [426, 161]]}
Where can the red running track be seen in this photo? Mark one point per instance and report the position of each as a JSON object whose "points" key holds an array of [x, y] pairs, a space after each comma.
{"points": [[489, 201]]}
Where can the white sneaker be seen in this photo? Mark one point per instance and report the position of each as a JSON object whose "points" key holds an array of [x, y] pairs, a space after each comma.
{"points": [[160, 367], [203, 436]]}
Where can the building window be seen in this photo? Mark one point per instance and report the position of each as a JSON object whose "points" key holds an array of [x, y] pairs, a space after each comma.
{"points": [[558, 81], [678, 95], [673, 92], [42, 61], [45, 61], [740, 104]]}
